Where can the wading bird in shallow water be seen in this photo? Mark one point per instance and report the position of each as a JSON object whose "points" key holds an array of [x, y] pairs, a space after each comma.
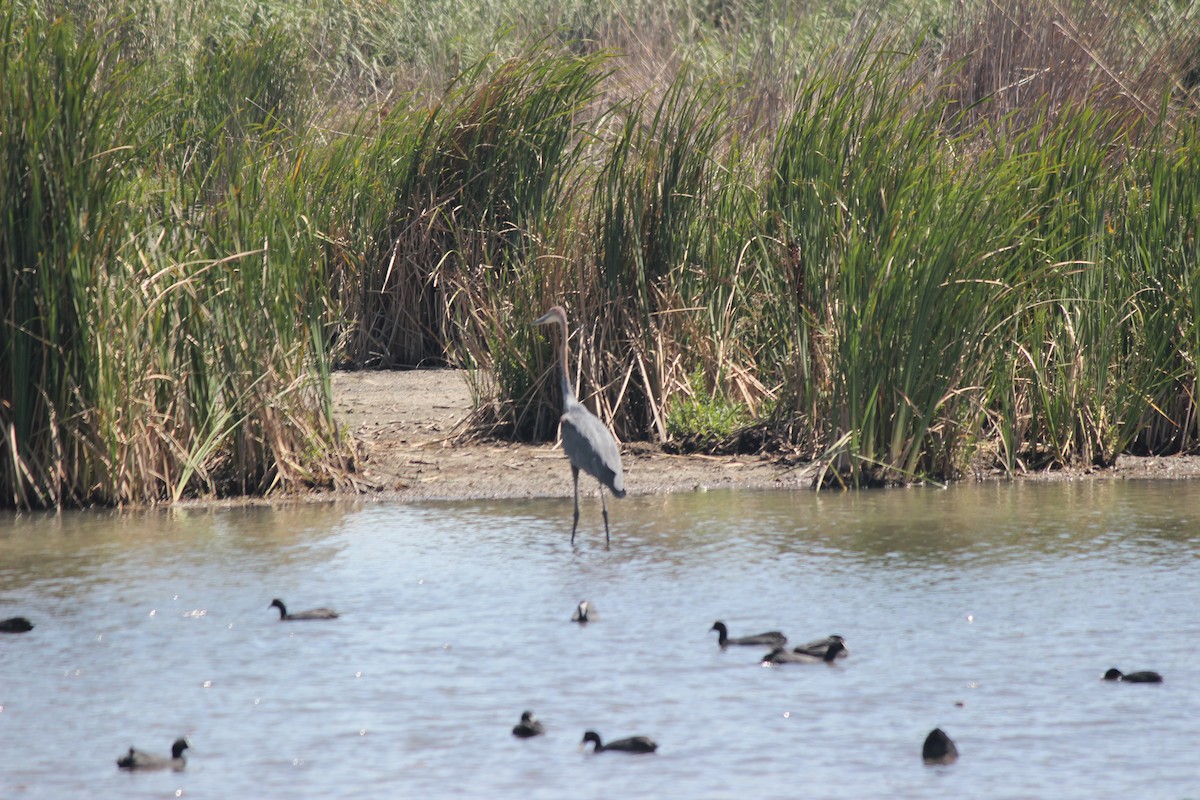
{"points": [[634, 744], [588, 444], [137, 759]]}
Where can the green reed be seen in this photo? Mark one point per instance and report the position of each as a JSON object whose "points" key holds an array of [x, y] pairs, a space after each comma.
{"points": [[956, 238], [165, 328], [467, 188], [1153, 232], [60, 159]]}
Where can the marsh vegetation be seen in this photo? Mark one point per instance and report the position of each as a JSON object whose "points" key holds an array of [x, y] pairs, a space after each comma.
{"points": [[898, 241]]}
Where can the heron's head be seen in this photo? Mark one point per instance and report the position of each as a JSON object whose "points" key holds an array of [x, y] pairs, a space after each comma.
{"points": [[555, 314]]}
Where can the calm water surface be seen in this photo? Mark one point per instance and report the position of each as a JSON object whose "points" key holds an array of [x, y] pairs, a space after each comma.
{"points": [[990, 611]]}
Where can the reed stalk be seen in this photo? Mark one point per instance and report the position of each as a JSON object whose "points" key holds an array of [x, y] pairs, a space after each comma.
{"points": [[958, 237]]}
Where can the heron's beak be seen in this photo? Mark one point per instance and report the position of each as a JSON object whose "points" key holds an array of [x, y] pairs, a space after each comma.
{"points": [[543, 319]]}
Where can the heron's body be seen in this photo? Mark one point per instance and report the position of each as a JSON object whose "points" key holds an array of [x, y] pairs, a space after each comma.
{"points": [[139, 759], [589, 445], [312, 613]]}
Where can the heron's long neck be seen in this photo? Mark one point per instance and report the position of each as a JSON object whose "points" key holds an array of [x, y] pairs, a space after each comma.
{"points": [[568, 393]]}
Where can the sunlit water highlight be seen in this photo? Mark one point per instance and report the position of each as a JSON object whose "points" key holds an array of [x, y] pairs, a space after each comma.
{"points": [[1008, 600]]}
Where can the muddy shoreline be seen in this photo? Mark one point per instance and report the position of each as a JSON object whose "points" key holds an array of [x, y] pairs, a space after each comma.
{"points": [[405, 427]]}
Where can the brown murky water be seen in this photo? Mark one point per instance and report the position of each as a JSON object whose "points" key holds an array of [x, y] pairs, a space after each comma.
{"points": [[989, 611]]}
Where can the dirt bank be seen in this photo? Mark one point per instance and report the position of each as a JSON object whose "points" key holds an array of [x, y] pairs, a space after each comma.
{"points": [[405, 425]]}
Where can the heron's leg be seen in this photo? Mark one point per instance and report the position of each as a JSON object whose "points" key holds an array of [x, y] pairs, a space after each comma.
{"points": [[604, 505], [575, 524]]}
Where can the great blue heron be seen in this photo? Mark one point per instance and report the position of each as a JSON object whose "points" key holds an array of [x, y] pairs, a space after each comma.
{"points": [[588, 444]]}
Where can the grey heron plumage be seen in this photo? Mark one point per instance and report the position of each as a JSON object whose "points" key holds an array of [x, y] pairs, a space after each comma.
{"points": [[589, 445]]}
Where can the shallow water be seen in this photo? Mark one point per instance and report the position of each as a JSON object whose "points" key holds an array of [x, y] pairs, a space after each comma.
{"points": [[1008, 600]]}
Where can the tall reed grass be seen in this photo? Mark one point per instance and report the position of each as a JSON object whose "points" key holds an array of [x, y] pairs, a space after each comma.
{"points": [[165, 330], [917, 283], [907, 245]]}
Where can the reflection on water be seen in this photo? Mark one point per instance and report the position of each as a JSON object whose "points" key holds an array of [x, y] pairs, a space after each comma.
{"points": [[990, 611]]}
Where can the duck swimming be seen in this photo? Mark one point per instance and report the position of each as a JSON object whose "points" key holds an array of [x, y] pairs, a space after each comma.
{"points": [[138, 759], [582, 611], [1145, 676], [314, 613], [818, 647], [771, 638], [634, 744], [528, 726], [781, 655], [938, 748]]}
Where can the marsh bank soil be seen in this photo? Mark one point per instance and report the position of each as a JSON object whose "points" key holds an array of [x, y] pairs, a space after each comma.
{"points": [[406, 426]]}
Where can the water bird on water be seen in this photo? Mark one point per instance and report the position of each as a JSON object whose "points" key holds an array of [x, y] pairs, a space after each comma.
{"points": [[313, 613], [139, 759], [589, 445], [771, 638], [818, 647], [634, 744], [583, 612], [939, 748], [781, 655], [15, 625], [528, 726], [1144, 676]]}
